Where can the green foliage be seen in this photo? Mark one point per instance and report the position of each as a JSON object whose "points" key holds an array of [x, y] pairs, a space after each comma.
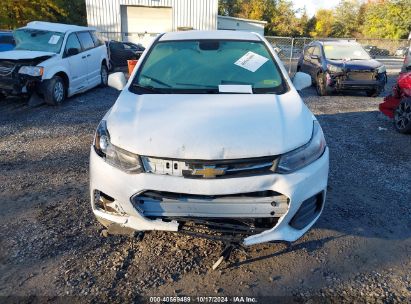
{"points": [[17, 13], [324, 23], [390, 19]]}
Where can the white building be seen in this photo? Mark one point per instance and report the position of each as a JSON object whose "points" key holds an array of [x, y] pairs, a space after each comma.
{"points": [[141, 20], [240, 24]]}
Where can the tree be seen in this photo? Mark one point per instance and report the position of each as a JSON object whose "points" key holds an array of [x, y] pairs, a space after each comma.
{"points": [[345, 16], [324, 23], [17, 13], [387, 19], [76, 11]]}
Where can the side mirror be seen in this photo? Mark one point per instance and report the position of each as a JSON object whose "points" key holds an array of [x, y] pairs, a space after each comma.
{"points": [[117, 81], [301, 81], [72, 52], [315, 57]]}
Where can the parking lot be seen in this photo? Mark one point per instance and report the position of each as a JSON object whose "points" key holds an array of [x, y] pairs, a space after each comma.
{"points": [[51, 245]]}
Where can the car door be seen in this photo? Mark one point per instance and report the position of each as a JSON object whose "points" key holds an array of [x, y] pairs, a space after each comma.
{"points": [[305, 65], [76, 62], [315, 61], [92, 57]]}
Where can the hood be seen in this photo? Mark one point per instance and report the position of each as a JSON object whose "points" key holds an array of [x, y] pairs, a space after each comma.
{"points": [[209, 127], [358, 65], [23, 54]]}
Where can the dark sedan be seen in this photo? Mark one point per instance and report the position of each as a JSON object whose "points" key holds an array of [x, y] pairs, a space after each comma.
{"points": [[120, 52], [342, 65], [7, 42]]}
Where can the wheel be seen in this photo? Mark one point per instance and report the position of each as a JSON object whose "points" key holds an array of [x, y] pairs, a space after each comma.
{"points": [[55, 91], [373, 93], [321, 86], [402, 116], [104, 76]]}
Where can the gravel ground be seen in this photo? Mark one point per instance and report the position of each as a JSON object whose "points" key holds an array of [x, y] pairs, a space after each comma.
{"points": [[51, 246]]}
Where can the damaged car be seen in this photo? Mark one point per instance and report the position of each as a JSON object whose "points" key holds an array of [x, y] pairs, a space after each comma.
{"points": [[53, 61], [210, 137], [337, 66]]}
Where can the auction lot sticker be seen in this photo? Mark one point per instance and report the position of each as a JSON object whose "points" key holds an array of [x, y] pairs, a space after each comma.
{"points": [[251, 61]]}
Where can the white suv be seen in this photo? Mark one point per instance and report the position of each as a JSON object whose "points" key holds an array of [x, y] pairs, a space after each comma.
{"points": [[210, 132], [54, 61]]}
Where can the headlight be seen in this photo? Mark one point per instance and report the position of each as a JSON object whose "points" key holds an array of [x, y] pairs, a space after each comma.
{"points": [[381, 69], [334, 69], [31, 70], [304, 155], [115, 156]]}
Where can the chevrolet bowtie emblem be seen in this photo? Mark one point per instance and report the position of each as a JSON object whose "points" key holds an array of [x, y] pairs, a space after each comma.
{"points": [[209, 172]]}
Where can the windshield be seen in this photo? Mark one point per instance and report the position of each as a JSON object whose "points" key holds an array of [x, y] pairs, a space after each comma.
{"points": [[37, 40], [345, 52], [206, 66]]}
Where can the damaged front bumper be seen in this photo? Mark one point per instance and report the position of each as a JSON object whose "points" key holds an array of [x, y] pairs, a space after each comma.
{"points": [[356, 81], [19, 84], [287, 204]]}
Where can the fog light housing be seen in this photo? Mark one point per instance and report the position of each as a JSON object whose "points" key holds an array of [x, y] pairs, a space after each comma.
{"points": [[308, 211]]}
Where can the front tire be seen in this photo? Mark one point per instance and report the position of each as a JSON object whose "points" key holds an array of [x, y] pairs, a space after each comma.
{"points": [[402, 116], [55, 92], [104, 76]]}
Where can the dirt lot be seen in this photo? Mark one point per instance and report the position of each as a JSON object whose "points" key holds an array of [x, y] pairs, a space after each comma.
{"points": [[51, 246]]}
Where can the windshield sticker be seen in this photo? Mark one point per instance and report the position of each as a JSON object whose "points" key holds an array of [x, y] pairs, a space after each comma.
{"points": [[328, 47], [274, 82], [235, 88], [54, 39], [357, 53], [251, 61]]}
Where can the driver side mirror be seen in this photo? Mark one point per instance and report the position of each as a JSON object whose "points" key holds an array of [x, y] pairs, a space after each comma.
{"points": [[72, 52], [301, 81], [117, 81]]}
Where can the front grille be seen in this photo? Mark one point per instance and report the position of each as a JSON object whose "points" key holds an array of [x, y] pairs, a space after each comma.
{"points": [[210, 169], [6, 68], [261, 204], [361, 75]]}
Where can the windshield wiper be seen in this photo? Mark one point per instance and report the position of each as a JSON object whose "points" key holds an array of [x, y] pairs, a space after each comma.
{"points": [[200, 86], [157, 80], [147, 88]]}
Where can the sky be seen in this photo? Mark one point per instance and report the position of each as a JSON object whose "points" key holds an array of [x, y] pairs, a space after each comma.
{"points": [[313, 5]]}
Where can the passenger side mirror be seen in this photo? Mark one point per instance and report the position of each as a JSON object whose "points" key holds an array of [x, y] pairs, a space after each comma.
{"points": [[301, 81], [72, 52], [117, 81], [315, 57]]}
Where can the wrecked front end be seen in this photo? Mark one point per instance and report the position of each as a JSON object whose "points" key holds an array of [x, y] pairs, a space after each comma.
{"points": [[16, 80], [247, 206], [356, 80]]}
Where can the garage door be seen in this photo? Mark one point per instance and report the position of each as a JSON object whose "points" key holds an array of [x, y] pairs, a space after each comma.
{"points": [[138, 19]]}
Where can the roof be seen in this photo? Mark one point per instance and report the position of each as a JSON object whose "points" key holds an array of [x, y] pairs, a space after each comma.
{"points": [[334, 42], [242, 19], [204, 35], [56, 27]]}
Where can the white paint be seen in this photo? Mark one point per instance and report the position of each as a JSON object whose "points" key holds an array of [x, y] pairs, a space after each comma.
{"points": [[23, 54], [240, 24], [211, 127]]}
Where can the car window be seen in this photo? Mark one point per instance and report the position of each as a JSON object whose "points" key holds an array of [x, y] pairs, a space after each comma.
{"points": [[200, 66], [317, 51], [345, 52], [6, 39], [85, 40], [308, 51], [116, 46], [96, 39], [73, 43], [38, 40]]}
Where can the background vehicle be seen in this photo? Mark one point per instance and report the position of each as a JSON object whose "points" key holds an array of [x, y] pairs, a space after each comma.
{"points": [[7, 42], [120, 52], [342, 65], [407, 60], [53, 61], [375, 51], [401, 51]]}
